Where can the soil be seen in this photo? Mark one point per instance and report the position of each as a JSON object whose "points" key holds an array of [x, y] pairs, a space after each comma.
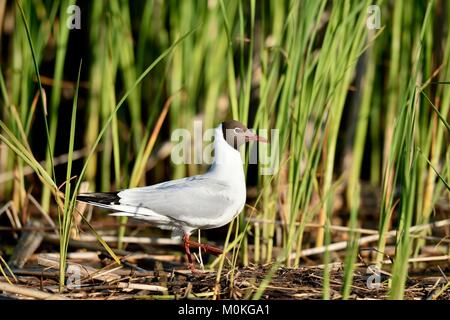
{"points": [[240, 283]]}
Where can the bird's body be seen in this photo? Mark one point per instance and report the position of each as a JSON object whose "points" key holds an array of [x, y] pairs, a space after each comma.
{"points": [[205, 201]]}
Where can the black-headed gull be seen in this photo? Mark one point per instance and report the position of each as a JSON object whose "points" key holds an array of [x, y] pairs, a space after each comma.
{"points": [[205, 201]]}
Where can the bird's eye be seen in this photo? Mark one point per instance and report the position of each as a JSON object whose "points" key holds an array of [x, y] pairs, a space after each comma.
{"points": [[237, 130]]}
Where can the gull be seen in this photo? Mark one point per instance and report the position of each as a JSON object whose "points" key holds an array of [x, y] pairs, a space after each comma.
{"points": [[205, 201]]}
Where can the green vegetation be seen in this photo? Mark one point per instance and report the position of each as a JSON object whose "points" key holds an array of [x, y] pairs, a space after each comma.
{"points": [[353, 106]]}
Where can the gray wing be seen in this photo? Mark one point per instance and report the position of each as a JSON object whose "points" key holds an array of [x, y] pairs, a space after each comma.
{"points": [[189, 199]]}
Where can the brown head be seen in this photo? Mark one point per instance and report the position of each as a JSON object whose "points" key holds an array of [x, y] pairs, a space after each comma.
{"points": [[236, 134]]}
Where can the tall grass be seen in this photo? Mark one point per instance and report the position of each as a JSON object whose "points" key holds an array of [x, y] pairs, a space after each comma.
{"points": [[352, 107]]}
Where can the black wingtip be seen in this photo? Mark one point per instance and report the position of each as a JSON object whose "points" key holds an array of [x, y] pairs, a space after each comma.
{"points": [[99, 197]]}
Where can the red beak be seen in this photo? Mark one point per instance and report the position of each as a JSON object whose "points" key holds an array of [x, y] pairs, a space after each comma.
{"points": [[250, 136]]}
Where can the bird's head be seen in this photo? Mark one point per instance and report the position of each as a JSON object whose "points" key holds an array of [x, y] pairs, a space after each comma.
{"points": [[236, 134]]}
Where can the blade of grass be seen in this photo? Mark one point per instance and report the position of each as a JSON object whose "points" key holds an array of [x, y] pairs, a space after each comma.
{"points": [[68, 204]]}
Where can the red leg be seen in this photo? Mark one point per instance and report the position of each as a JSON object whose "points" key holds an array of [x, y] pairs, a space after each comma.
{"points": [[188, 252], [206, 247]]}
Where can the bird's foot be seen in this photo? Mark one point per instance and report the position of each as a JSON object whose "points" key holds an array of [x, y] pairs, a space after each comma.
{"points": [[194, 271]]}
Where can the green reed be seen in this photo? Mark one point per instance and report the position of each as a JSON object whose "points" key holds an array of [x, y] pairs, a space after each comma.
{"points": [[310, 69]]}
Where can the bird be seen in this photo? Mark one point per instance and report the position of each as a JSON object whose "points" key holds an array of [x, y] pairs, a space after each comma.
{"points": [[204, 201]]}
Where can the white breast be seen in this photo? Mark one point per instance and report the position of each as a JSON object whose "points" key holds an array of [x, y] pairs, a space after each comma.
{"points": [[228, 167]]}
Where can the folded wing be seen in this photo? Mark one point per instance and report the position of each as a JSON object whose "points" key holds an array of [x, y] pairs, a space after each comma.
{"points": [[195, 200]]}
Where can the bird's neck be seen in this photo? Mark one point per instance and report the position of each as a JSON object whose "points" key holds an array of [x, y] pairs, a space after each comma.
{"points": [[227, 162]]}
